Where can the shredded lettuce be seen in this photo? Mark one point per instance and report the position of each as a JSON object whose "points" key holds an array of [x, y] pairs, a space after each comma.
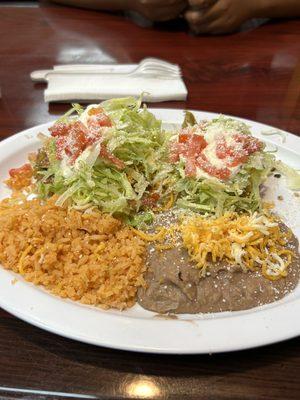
{"points": [[138, 140], [76, 108], [227, 124], [213, 196], [189, 119]]}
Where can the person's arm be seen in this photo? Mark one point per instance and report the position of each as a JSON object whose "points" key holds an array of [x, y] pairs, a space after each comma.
{"points": [[155, 10], [108, 5], [276, 8], [223, 16]]}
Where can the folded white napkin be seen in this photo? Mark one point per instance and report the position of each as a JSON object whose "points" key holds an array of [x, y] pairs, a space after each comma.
{"points": [[88, 83]]}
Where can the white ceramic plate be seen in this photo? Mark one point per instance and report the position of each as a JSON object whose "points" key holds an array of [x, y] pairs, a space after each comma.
{"points": [[141, 330]]}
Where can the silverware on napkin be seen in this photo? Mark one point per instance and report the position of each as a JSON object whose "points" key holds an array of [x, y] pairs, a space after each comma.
{"points": [[158, 79], [148, 66]]}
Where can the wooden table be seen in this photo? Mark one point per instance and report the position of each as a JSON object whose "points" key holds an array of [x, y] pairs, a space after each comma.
{"points": [[254, 75]]}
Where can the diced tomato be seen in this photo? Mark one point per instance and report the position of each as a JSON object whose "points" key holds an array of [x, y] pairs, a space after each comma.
{"points": [[109, 156], [221, 173], [221, 148], [60, 144], [78, 139], [59, 129], [237, 161], [25, 169], [95, 111], [94, 135], [195, 145], [73, 138], [99, 118], [176, 149], [190, 146], [254, 145], [99, 122], [250, 143], [79, 133], [20, 177], [198, 142], [240, 138], [73, 143], [104, 120], [150, 200], [238, 153], [183, 138], [190, 167]]}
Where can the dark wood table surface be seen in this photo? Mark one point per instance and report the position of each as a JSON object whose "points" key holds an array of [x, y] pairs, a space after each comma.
{"points": [[252, 74]]}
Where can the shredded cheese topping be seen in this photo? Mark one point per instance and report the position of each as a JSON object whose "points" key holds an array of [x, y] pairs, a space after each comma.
{"points": [[151, 237], [251, 241]]}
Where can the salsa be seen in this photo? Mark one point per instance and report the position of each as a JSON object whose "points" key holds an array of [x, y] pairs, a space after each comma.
{"points": [[72, 138], [218, 157]]}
